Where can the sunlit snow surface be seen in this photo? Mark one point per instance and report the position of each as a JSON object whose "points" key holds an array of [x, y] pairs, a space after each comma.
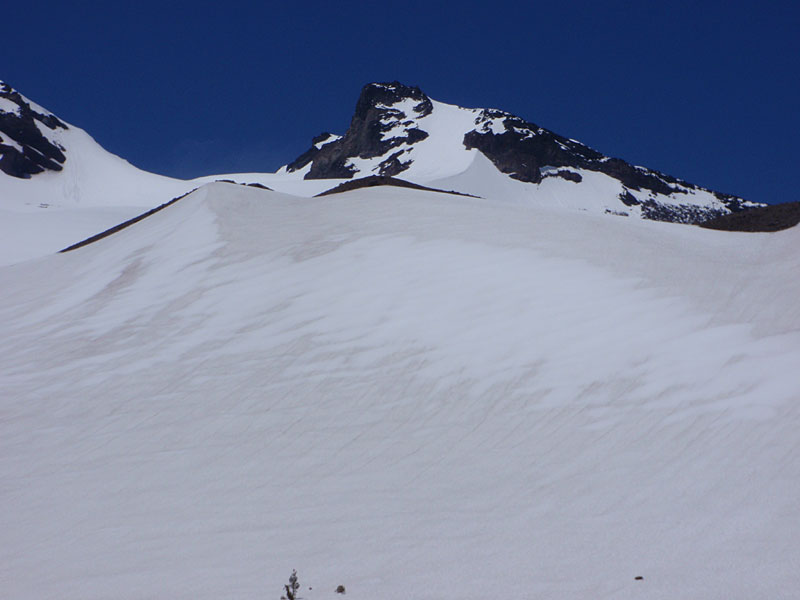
{"points": [[412, 394]]}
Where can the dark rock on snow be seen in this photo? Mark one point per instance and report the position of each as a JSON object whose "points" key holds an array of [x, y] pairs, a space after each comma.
{"points": [[390, 115], [519, 148], [374, 116], [25, 151], [760, 219], [379, 180]]}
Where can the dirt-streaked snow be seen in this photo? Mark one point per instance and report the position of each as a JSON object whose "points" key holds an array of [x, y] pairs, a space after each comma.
{"points": [[412, 394]]}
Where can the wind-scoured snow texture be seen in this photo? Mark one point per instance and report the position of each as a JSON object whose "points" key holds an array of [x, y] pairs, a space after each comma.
{"points": [[412, 394], [398, 129]]}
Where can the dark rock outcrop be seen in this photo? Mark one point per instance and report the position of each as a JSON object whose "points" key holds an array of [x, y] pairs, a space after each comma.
{"points": [[24, 149], [389, 120], [628, 199], [378, 112], [678, 213], [527, 152], [310, 154], [523, 149], [379, 180], [761, 219], [566, 174]]}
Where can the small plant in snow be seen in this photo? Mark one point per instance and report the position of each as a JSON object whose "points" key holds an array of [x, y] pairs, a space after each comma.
{"points": [[292, 587]]}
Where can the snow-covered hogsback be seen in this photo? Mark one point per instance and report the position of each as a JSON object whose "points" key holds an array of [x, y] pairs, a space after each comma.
{"points": [[27, 145], [398, 129]]}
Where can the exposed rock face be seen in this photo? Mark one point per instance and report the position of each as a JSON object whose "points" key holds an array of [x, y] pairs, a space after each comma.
{"points": [[391, 115], [309, 155], [382, 180], [384, 119], [521, 149], [25, 149], [761, 219], [524, 151]]}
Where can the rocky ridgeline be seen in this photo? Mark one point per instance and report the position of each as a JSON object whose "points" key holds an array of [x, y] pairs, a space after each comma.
{"points": [[518, 148], [24, 149]]}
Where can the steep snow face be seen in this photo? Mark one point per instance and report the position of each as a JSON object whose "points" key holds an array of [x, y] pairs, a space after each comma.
{"points": [[411, 394], [397, 129]]}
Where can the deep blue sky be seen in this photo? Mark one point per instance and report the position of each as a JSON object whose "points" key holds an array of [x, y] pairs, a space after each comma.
{"points": [[706, 91]]}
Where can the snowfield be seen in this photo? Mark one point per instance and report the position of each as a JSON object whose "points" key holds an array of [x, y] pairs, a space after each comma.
{"points": [[413, 394]]}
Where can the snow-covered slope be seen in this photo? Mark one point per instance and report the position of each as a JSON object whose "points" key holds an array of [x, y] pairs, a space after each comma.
{"points": [[412, 394], [397, 129], [82, 174], [58, 185]]}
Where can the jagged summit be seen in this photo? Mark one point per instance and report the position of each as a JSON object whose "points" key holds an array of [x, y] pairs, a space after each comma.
{"points": [[384, 119], [380, 96], [27, 146], [398, 128]]}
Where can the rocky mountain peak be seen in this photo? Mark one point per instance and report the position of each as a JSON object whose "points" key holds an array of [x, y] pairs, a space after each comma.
{"points": [[397, 127], [26, 146], [382, 97], [385, 117]]}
